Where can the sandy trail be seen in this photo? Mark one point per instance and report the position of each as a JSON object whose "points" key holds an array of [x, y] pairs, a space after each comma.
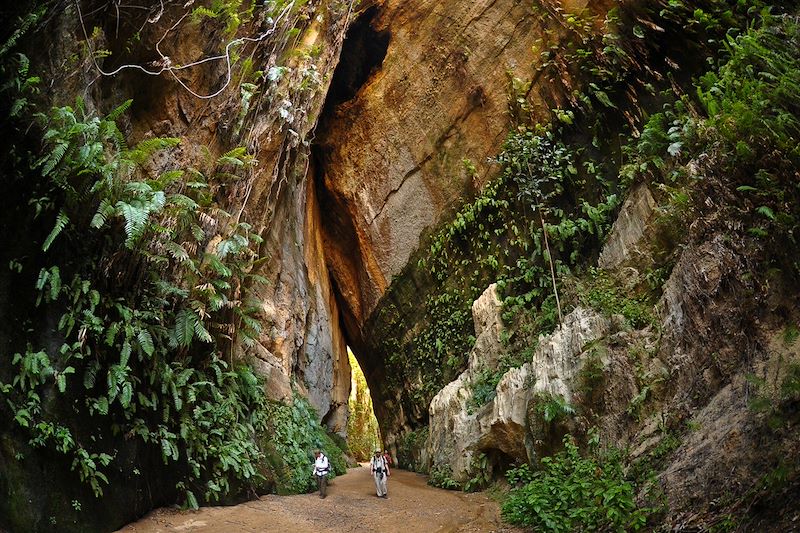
{"points": [[351, 506]]}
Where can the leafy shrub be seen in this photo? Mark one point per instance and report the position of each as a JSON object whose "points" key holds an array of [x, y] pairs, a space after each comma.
{"points": [[442, 476], [605, 294], [573, 493], [409, 449], [520, 475], [481, 473], [295, 434], [150, 284], [484, 388], [551, 407]]}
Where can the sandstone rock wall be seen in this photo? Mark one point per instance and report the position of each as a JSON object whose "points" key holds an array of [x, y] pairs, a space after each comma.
{"points": [[392, 156]]}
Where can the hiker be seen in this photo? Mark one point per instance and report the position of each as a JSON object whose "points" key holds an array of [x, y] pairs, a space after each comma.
{"points": [[387, 458], [380, 471], [321, 469]]}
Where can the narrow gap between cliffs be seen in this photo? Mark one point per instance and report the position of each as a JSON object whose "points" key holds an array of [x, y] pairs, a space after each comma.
{"points": [[362, 55], [363, 435], [363, 51]]}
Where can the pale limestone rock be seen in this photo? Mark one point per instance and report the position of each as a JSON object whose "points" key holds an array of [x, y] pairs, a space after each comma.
{"points": [[629, 228], [456, 434], [450, 422]]}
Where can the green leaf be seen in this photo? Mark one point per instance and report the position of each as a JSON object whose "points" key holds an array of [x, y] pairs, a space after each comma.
{"points": [[101, 405], [602, 97], [191, 501], [61, 381], [126, 395], [201, 332], [184, 327], [61, 222], [125, 354], [766, 211], [146, 342]]}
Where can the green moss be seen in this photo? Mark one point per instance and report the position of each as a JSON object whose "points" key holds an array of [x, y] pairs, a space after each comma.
{"points": [[600, 290]]}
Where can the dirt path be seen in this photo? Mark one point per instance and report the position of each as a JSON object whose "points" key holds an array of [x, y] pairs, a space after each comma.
{"points": [[351, 506]]}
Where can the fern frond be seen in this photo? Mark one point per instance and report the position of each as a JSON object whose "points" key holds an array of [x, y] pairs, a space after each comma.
{"points": [[90, 376], [120, 109], [22, 28], [177, 252], [237, 157], [146, 148], [218, 266], [201, 332], [146, 342], [201, 12], [110, 130], [183, 202], [166, 179], [51, 160], [104, 211], [61, 222], [135, 222], [184, 327]]}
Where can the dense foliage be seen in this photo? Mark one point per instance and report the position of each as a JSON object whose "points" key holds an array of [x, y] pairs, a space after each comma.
{"points": [[294, 435], [545, 217], [148, 285], [739, 140], [574, 493]]}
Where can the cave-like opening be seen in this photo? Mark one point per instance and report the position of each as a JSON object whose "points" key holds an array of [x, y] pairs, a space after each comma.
{"points": [[363, 51], [363, 433]]}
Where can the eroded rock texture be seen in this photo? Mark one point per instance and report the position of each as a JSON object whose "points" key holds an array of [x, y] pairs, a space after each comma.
{"points": [[509, 424]]}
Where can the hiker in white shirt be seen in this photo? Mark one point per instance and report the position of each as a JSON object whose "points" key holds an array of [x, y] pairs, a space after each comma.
{"points": [[380, 472], [321, 469]]}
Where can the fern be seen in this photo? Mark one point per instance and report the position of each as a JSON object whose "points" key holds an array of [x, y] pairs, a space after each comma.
{"points": [[237, 157], [135, 222], [146, 342], [184, 327], [119, 111], [51, 160], [178, 253], [218, 266], [146, 148], [62, 220], [104, 211], [22, 28]]}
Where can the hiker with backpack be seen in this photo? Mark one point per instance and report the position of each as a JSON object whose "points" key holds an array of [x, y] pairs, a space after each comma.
{"points": [[380, 472], [321, 468]]}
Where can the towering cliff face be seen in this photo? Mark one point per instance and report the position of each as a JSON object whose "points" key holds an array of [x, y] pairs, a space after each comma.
{"points": [[413, 118], [371, 123], [401, 146], [254, 80]]}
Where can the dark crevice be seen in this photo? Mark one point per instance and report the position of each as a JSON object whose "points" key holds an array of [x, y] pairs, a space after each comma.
{"points": [[363, 52]]}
